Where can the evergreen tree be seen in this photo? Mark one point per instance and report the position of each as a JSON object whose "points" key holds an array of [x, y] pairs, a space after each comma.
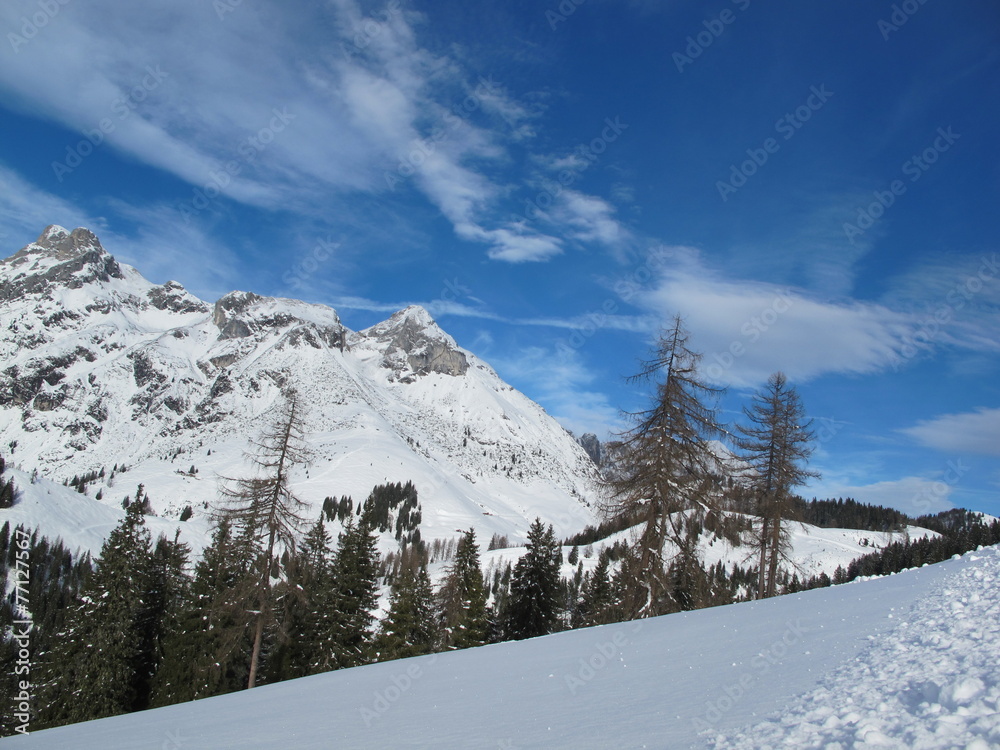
{"points": [[355, 595], [99, 666], [207, 646], [463, 598], [410, 628], [310, 619], [167, 600], [598, 595], [7, 493], [533, 605]]}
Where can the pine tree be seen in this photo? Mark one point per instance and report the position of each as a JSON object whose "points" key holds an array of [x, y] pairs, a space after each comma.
{"points": [[598, 595], [355, 595], [265, 510], [99, 666], [667, 470], [463, 598], [7, 493], [309, 624], [208, 651], [775, 445], [410, 628], [533, 606]]}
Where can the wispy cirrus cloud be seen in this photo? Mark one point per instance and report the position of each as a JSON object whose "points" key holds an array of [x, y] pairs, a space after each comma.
{"points": [[365, 109], [976, 432]]}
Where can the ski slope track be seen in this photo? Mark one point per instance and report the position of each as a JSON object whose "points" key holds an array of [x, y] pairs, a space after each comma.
{"points": [[100, 367], [906, 661]]}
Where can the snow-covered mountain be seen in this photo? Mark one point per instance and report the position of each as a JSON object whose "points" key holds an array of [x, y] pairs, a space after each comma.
{"points": [[100, 367], [907, 661]]}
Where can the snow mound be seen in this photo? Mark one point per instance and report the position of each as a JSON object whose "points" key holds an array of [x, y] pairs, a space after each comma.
{"points": [[932, 682]]}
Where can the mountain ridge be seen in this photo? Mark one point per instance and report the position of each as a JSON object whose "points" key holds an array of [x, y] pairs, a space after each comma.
{"points": [[99, 366]]}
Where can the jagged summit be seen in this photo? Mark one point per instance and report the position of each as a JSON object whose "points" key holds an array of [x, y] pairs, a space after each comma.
{"points": [[63, 244], [413, 344], [57, 257]]}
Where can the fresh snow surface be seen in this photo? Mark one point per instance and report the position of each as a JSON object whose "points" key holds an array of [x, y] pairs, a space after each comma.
{"points": [[906, 661]]}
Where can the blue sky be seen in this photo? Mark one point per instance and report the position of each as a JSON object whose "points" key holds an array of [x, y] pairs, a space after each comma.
{"points": [[813, 186]]}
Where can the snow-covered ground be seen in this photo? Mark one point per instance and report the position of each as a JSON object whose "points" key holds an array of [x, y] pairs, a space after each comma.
{"points": [[911, 660]]}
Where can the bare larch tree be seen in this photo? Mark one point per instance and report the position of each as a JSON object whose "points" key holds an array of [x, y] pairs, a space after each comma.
{"points": [[775, 445], [264, 508], [666, 466]]}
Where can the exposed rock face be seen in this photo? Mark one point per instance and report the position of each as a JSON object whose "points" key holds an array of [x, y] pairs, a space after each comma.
{"points": [[413, 342], [58, 257], [592, 445], [173, 297], [227, 314]]}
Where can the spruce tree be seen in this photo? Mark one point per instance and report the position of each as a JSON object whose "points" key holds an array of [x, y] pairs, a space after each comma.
{"points": [[598, 594], [533, 605], [310, 615], [463, 598], [410, 627], [354, 597], [99, 665], [207, 645]]}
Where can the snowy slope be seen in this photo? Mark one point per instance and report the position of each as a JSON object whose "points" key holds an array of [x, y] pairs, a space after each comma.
{"points": [[812, 550], [911, 660], [83, 523], [98, 366]]}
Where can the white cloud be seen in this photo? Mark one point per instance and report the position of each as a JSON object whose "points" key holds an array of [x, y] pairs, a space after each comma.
{"points": [[975, 432], [748, 330]]}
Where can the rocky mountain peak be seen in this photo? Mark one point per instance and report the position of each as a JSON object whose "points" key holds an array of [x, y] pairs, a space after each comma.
{"points": [[70, 259], [413, 344], [61, 244]]}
